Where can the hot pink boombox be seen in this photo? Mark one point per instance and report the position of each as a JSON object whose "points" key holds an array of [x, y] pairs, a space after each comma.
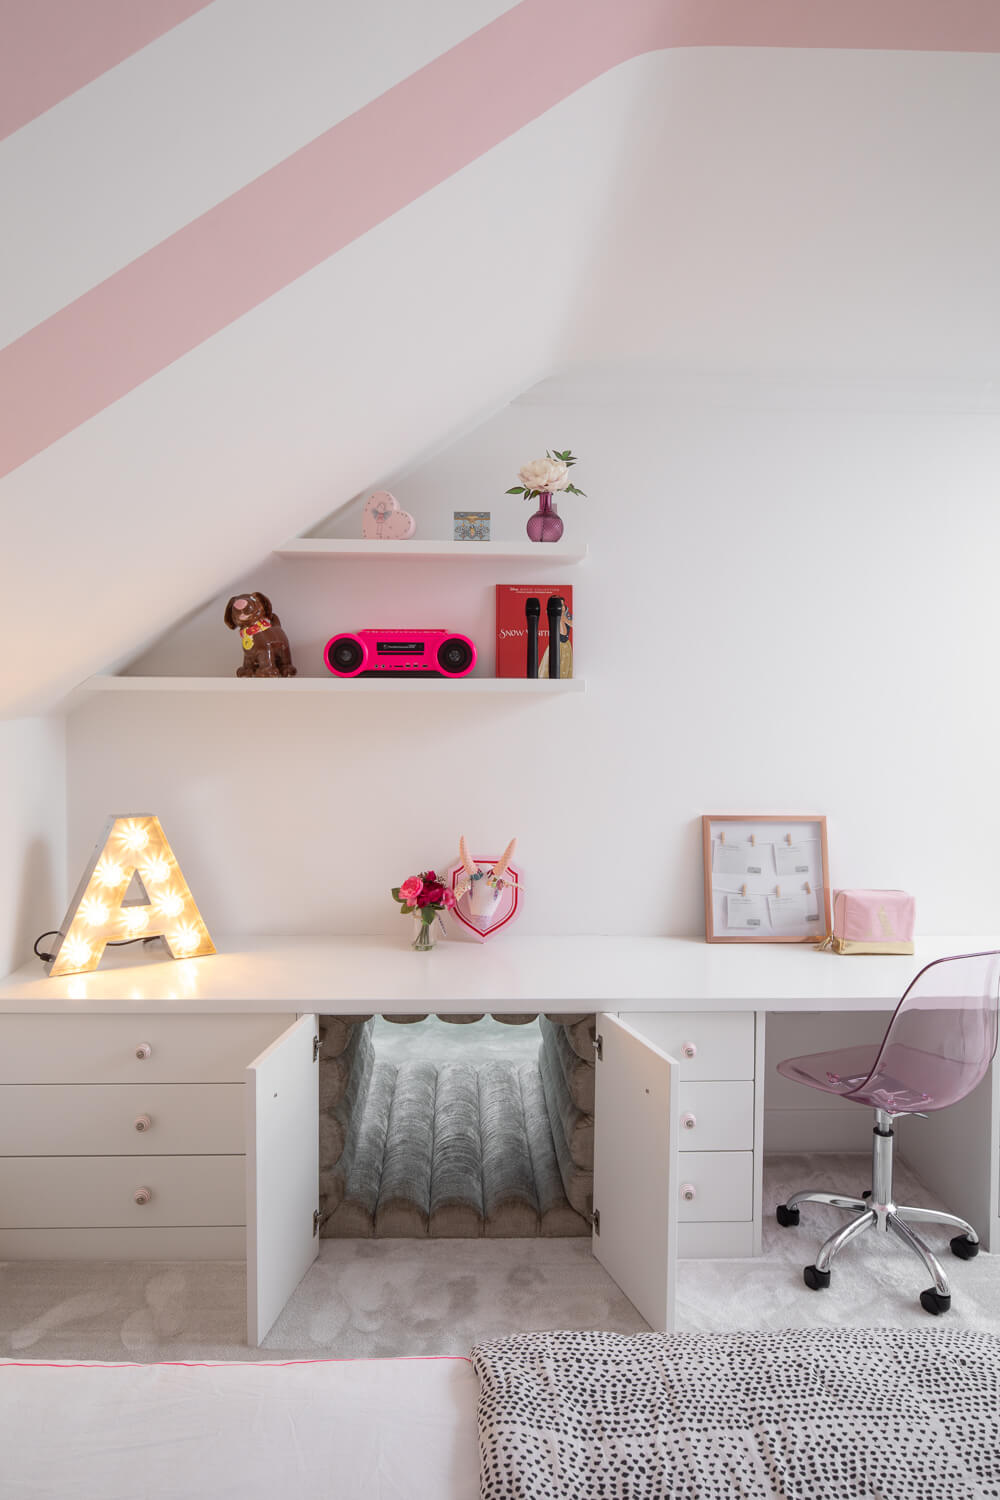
{"points": [[418, 653]]}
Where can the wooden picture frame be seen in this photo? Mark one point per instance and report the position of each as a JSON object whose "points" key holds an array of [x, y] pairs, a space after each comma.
{"points": [[767, 878]]}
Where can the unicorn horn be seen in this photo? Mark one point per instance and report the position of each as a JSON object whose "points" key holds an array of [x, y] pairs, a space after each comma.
{"points": [[505, 859], [463, 855]]}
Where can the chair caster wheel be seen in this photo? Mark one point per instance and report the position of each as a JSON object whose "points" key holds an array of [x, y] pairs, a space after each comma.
{"points": [[933, 1302], [816, 1281], [964, 1248], [786, 1217]]}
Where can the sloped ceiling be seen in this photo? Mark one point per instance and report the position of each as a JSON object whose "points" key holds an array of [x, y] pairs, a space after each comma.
{"points": [[281, 248]]}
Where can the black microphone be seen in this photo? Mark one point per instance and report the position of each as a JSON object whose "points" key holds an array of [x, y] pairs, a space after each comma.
{"points": [[532, 614], [554, 609]]}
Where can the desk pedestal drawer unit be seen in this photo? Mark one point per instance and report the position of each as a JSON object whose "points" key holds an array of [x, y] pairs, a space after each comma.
{"points": [[719, 1136], [129, 1137]]}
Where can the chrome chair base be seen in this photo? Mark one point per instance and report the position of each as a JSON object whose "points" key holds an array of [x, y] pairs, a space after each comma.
{"points": [[877, 1210]]}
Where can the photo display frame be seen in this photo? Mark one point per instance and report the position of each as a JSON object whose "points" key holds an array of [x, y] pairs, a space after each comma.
{"points": [[767, 879]]}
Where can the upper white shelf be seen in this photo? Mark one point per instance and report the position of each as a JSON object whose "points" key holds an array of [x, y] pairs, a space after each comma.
{"points": [[333, 687], [550, 553]]}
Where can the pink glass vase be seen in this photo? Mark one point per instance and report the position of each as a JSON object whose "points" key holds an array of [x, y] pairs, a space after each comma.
{"points": [[545, 525]]}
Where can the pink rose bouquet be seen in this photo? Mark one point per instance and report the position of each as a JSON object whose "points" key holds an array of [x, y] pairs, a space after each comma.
{"points": [[423, 896]]}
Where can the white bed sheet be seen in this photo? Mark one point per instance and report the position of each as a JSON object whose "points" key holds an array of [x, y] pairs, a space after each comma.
{"points": [[382, 1429]]}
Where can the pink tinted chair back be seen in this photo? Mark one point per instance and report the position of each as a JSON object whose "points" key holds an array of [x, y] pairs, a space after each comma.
{"points": [[942, 1037]]}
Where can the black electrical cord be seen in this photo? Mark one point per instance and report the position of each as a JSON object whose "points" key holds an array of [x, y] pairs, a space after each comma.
{"points": [[119, 943], [45, 957]]}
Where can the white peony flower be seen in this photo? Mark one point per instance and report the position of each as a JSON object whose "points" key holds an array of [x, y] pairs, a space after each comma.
{"points": [[544, 474]]}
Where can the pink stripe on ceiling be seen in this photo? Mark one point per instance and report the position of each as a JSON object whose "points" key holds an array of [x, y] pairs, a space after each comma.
{"points": [[51, 48], [354, 176]]}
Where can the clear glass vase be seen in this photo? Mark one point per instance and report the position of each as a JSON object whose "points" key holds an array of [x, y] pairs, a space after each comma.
{"points": [[545, 525], [424, 934]]}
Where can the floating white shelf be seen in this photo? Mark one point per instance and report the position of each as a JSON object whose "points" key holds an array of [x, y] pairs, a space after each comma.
{"points": [[333, 687], [550, 553]]}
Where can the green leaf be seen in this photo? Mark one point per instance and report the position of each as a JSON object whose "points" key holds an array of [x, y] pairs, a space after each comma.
{"points": [[517, 490], [427, 915], [395, 893]]}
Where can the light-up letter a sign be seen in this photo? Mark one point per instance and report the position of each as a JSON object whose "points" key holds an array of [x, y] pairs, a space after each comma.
{"points": [[132, 852]]}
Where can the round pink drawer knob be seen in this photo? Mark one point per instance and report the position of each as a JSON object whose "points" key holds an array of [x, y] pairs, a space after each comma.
{"points": [[142, 1122], [143, 1051], [688, 1049], [142, 1195], [688, 1192], [689, 1121]]}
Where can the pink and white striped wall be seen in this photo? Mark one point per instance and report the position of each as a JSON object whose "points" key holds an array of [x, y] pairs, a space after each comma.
{"points": [[258, 254]]}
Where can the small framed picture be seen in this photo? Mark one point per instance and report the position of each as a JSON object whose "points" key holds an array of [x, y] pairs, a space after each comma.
{"points": [[766, 878], [472, 525]]}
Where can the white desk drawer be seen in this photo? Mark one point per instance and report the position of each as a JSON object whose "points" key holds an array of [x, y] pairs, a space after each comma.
{"points": [[721, 1184], [723, 1042], [716, 1116], [106, 1049], [708, 1241], [204, 1243], [52, 1192], [99, 1119]]}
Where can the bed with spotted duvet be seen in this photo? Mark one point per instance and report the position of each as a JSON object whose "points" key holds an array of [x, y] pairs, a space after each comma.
{"points": [[811, 1414]]}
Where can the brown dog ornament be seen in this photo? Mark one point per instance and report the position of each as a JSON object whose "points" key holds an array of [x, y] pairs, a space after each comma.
{"points": [[266, 652]]}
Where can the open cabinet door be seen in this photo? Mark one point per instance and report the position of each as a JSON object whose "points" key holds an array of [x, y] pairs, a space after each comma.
{"points": [[635, 1169], [282, 1172]]}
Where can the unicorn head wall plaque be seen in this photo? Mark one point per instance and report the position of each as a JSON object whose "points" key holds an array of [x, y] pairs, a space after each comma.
{"points": [[487, 891]]}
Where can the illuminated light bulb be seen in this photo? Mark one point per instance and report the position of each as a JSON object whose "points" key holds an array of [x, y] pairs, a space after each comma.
{"points": [[155, 869], [170, 904], [76, 950], [134, 836], [135, 918], [108, 873], [184, 940], [93, 912]]}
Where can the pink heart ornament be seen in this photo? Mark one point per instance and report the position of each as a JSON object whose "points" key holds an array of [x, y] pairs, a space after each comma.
{"points": [[384, 519]]}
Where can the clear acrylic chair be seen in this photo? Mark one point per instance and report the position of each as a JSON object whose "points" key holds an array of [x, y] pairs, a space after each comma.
{"points": [[938, 1047]]}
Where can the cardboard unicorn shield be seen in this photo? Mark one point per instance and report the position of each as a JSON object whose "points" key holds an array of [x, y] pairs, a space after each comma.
{"points": [[487, 891]]}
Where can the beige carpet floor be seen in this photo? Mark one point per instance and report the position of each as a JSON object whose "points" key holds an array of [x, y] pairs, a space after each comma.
{"points": [[380, 1298]]}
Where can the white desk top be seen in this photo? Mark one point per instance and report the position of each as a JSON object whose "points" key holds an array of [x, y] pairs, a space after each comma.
{"points": [[357, 975]]}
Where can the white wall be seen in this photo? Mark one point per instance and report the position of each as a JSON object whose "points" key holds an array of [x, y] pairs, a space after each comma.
{"points": [[32, 833], [742, 208], [788, 606]]}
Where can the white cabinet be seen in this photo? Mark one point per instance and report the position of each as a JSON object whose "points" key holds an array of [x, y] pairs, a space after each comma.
{"points": [[719, 1125], [677, 1158], [123, 1136], [163, 1137], [159, 1136], [635, 1168], [282, 1172]]}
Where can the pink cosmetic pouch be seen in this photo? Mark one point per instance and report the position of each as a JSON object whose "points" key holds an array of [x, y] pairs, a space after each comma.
{"points": [[872, 922]]}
